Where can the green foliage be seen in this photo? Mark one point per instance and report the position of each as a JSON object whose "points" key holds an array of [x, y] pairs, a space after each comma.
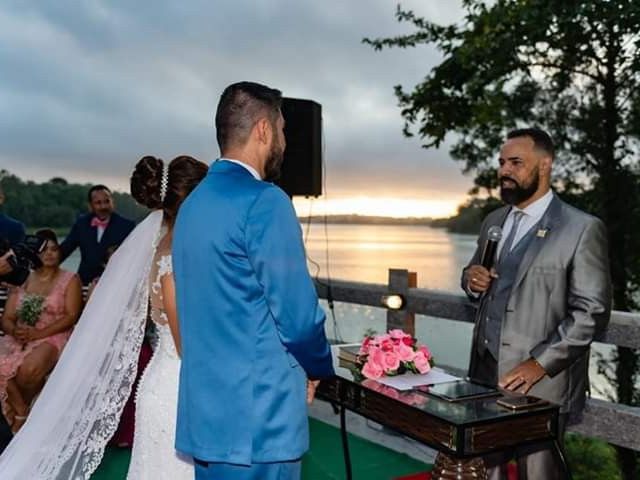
{"points": [[591, 459], [571, 67], [30, 309], [56, 203], [469, 217]]}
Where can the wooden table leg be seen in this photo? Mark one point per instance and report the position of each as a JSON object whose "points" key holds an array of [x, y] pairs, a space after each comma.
{"points": [[447, 468]]}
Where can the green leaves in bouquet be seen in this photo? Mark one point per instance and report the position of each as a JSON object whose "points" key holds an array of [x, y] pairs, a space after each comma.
{"points": [[30, 309]]}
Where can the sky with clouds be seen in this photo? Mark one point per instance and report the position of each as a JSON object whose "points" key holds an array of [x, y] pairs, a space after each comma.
{"points": [[89, 87]]}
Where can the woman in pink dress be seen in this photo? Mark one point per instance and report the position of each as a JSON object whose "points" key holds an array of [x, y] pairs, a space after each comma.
{"points": [[29, 353]]}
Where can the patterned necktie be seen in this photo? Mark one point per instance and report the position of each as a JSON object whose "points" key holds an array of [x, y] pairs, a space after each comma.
{"points": [[508, 243]]}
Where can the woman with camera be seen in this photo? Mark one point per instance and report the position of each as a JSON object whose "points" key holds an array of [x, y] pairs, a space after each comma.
{"points": [[37, 322]]}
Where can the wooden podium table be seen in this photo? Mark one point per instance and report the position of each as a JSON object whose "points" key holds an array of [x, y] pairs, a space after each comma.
{"points": [[462, 432]]}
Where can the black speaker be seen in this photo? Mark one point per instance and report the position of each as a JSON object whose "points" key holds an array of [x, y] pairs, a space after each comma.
{"points": [[302, 165]]}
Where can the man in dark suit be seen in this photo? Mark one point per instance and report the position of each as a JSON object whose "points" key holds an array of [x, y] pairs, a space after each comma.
{"points": [[547, 297], [95, 232], [11, 230]]}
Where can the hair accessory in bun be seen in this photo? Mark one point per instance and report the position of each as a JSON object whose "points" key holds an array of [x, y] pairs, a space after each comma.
{"points": [[164, 183]]}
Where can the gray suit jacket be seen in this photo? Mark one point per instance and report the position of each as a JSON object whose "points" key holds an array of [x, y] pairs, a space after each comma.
{"points": [[560, 301]]}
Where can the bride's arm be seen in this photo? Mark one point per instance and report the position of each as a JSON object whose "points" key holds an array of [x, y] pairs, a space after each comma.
{"points": [[169, 302]]}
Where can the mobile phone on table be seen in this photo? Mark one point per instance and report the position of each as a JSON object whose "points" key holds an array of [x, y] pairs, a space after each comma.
{"points": [[520, 402]]}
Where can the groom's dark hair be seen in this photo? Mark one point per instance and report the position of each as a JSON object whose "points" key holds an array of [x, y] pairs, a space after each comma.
{"points": [[241, 106]]}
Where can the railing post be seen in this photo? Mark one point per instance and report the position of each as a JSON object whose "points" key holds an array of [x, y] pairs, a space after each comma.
{"points": [[400, 281]]}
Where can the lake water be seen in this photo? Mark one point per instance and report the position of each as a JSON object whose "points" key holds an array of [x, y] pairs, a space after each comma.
{"points": [[365, 253]]}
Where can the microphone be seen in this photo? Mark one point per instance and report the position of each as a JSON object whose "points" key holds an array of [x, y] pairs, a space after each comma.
{"points": [[490, 247]]}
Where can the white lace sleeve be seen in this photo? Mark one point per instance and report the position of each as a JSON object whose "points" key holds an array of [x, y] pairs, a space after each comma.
{"points": [[165, 266]]}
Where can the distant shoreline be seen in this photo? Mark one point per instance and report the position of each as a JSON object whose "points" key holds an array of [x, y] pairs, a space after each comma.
{"points": [[367, 220], [456, 224]]}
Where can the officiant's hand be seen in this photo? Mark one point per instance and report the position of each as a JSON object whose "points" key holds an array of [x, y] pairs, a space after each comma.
{"points": [[312, 385], [479, 278], [523, 377]]}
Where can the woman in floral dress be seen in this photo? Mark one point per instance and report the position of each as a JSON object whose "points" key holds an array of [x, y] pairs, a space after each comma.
{"points": [[28, 353]]}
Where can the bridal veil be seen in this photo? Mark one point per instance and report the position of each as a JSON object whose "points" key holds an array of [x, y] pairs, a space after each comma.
{"points": [[79, 408]]}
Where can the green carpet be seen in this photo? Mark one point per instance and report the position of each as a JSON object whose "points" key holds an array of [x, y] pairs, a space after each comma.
{"points": [[324, 460]]}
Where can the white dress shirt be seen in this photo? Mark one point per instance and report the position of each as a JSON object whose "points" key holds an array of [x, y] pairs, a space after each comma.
{"points": [[532, 215], [251, 170]]}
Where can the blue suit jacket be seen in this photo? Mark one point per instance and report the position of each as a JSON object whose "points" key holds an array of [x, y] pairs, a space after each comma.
{"points": [[251, 326], [92, 252], [11, 229]]}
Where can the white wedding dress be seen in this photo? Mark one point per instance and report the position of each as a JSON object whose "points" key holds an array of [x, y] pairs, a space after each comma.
{"points": [[79, 407], [154, 456]]}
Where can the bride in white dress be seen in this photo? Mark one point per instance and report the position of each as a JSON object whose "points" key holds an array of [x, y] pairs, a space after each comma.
{"points": [[79, 408], [153, 455]]}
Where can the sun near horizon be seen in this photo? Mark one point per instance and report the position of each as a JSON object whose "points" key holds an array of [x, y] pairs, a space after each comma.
{"points": [[378, 206]]}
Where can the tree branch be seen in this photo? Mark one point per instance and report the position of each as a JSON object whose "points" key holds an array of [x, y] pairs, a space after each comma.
{"points": [[597, 77]]}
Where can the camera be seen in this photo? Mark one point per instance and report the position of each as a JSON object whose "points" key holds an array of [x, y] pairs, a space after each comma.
{"points": [[24, 259]]}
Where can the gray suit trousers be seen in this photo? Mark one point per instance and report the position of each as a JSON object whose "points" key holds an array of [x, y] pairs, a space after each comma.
{"points": [[536, 462]]}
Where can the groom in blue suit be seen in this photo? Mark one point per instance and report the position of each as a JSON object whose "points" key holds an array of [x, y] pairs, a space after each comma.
{"points": [[253, 341]]}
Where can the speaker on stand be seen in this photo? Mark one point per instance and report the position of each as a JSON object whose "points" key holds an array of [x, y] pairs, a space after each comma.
{"points": [[301, 173]]}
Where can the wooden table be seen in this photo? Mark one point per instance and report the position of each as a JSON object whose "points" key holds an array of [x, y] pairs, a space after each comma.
{"points": [[462, 432]]}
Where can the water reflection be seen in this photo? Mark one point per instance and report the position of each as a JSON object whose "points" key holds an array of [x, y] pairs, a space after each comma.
{"points": [[365, 253]]}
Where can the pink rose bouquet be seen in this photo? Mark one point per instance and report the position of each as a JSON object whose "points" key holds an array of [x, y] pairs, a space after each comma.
{"points": [[391, 354]]}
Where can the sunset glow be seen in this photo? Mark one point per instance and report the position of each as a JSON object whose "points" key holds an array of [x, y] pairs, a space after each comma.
{"points": [[378, 206]]}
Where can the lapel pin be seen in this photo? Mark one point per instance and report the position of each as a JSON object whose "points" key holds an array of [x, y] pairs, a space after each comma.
{"points": [[542, 233]]}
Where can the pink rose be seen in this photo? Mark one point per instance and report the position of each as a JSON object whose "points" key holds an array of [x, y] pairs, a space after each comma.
{"points": [[408, 340], [372, 370], [376, 356], [421, 362], [387, 345], [364, 348], [397, 334], [404, 352], [391, 361], [425, 350]]}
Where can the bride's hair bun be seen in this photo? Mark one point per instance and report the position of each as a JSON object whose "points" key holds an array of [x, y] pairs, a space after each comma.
{"points": [[146, 180]]}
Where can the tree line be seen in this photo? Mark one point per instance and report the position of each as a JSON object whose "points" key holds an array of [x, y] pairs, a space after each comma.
{"points": [[570, 67], [56, 203]]}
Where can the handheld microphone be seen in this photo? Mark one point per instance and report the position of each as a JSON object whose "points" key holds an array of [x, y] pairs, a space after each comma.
{"points": [[490, 247]]}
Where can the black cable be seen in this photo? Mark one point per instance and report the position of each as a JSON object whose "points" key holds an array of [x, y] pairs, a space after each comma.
{"points": [[336, 330], [562, 458], [306, 232], [345, 443]]}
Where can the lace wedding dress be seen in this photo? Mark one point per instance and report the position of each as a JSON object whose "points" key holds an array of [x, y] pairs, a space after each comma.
{"points": [[154, 456], [79, 407]]}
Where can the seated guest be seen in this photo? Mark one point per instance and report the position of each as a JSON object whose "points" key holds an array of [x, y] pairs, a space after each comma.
{"points": [[12, 231], [28, 352], [95, 232]]}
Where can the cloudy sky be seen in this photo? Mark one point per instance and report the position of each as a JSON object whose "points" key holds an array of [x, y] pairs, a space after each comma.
{"points": [[88, 87]]}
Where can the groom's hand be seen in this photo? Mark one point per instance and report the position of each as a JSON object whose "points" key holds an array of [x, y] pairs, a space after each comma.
{"points": [[311, 390]]}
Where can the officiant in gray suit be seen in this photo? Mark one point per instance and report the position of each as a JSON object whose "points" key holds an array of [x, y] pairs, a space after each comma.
{"points": [[547, 297]]}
